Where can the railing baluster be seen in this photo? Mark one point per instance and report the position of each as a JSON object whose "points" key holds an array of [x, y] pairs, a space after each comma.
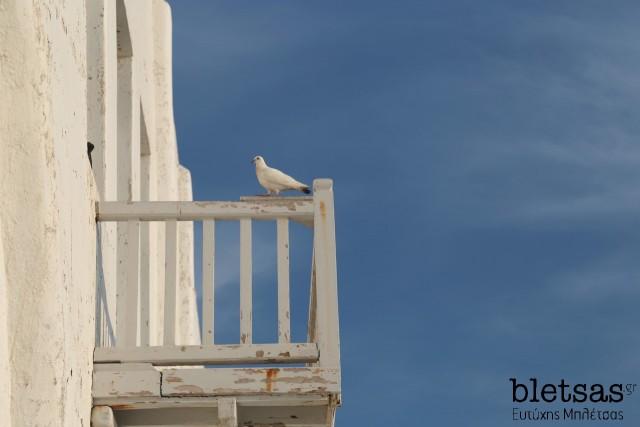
{"points": [[245, 282], [121, 283], [145, 271], [284, 326], [131, 294], [170, 261], [208, 280]]}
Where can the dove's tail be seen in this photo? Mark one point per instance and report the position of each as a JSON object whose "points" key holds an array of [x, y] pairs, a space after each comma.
{"points": [[305, 189]]}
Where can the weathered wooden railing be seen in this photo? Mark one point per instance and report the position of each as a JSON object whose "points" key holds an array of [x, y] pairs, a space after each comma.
{"points": [[321, 351]]}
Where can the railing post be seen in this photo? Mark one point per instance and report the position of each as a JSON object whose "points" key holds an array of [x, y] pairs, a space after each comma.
{"points": [[327, 330]]}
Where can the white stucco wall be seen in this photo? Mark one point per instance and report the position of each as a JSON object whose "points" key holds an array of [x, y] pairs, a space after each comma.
{"points": [[5, 369], [59, 89], [46, 211]]}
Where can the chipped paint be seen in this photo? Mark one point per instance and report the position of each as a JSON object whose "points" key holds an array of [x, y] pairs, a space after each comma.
{"points": [[191, 390]]}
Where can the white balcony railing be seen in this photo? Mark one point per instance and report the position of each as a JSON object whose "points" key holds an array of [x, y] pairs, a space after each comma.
{"points": [[320, 354]]}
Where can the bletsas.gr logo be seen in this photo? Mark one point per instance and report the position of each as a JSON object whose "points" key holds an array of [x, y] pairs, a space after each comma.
{"points": [[534, 392]]}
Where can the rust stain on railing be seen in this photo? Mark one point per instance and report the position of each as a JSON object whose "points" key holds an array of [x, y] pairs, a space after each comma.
{"points": [[271, 375]]}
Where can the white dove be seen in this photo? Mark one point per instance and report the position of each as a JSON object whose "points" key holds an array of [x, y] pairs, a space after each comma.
{"points": [[275, 181]]}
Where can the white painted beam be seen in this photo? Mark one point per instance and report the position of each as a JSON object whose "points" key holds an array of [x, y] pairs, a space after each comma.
{"points": [[209, 354], [120, 403], [125, 380], [249, 381]]}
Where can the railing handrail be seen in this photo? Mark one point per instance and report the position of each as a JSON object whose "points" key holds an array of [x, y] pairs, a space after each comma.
{"points": [[266, 208]]}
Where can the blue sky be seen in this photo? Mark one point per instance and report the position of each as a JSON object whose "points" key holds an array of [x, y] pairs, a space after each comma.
{"points": [[486, 165]]}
